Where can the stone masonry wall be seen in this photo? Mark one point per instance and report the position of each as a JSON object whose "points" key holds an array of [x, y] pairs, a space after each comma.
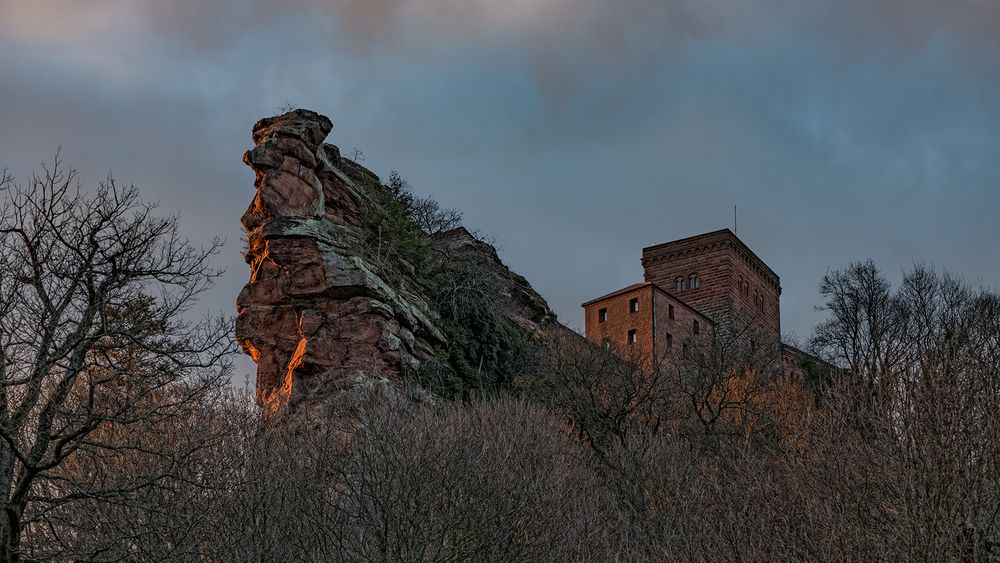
{"points": [[736, 287], [621, 320], [673, 333], [706, 256]]}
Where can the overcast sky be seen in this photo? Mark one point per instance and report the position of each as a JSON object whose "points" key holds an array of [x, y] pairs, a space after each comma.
{"points": [[575, 132]]}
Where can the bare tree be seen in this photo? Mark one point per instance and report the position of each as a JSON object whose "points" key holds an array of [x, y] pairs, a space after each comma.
{"points": [[96, 352], [864, 332], [915, 426], [428, 214]]}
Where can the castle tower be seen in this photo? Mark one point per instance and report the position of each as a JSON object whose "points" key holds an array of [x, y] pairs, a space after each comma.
{"points": [[717, 274]]}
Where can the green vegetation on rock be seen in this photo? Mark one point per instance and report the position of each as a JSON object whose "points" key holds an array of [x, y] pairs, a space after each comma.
{"points": [[420, 246]]}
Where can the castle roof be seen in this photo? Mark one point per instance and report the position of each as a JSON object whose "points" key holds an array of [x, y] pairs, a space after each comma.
{"points": [[632, 287], [655, 287]]}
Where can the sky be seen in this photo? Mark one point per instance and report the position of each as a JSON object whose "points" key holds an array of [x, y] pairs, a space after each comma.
{"points": [[573, 132]]}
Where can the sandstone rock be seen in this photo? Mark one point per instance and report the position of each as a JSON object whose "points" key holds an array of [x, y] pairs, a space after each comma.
{"points": [[308, 126], [318, 315], [314, 314]]}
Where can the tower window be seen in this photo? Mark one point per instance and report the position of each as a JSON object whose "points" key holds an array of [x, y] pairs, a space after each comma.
{"points": [[684, 351], [670, 311], [697, 327], [694, 282], [632, 338], [679, 285], [602, 315], [670, 341], [633, 305]]}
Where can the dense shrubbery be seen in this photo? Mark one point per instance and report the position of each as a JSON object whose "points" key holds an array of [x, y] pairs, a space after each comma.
{"points": [[599, 460], [595, 459], [485, 352], [395, 240]]}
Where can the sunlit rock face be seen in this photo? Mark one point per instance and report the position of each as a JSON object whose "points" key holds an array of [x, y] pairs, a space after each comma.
{"points": [[315, 315]]}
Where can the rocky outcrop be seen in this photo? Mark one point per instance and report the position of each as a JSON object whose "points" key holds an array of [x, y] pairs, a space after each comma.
{"points": [[319, 312]]}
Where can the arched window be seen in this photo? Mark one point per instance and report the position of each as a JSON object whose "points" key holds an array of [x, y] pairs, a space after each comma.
{"points": [[694, 282], [679, 285]]}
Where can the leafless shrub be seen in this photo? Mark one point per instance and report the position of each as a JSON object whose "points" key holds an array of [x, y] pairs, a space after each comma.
{"points": [[428, 214], [495, 481]]}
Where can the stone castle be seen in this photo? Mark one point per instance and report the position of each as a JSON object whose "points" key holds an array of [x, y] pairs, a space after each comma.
{"points": [[694, 288]]}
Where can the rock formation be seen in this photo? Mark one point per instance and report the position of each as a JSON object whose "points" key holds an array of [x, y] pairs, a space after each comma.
{"points": [[320, 310]]}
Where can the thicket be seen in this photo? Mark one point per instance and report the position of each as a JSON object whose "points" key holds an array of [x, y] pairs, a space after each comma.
{"points": [[485, 351], [395, 239], [597, 459]]}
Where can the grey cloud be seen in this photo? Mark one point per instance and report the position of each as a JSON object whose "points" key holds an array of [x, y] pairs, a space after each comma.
{"points": [[601, 28]]}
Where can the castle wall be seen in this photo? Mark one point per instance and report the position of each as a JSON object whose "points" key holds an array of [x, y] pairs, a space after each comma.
{"points": [[672, 333], [755, 297], [663, 324], [620, 320]]}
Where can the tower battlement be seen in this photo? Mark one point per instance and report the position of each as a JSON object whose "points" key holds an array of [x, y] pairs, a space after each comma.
{"points": [[718, 274]]}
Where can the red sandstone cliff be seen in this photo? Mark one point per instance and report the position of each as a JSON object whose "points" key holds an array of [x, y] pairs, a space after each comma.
{"points": [[319, 312]]}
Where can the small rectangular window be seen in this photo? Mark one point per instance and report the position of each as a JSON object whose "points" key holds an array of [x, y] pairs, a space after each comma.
{"points": [[670, 311], [684, 351], [670, 341], [602, 315], [697, 327], [632, 338], [633, 305]]}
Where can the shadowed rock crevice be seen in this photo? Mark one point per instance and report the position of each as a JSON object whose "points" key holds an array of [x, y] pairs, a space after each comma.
{"points": [[323, 309]]}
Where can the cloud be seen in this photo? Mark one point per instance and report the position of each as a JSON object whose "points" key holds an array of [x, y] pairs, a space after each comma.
{"points": [[568, 45], [597, 25], [576, 131], [617, 26]]}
